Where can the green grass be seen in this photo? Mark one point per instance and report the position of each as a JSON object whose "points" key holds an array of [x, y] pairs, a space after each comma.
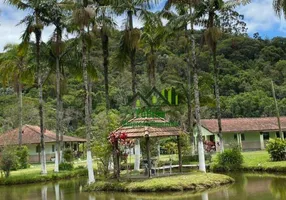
{"points": [[33, 174], [194, 182], [260, 161]]}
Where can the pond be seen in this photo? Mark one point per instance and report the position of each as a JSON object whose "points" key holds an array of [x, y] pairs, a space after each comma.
{"points": [[246, 187]]}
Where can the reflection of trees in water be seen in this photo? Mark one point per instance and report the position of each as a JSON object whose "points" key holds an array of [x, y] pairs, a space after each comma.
{"points": [[240, 184], [278, 188]]}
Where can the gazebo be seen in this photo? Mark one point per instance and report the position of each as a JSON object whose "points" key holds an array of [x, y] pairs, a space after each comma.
{"points": [[148, 125]]}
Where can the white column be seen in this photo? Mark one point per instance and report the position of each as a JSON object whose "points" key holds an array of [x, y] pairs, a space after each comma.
{"points": [[239, 143], [261, 141], [137, 155]]}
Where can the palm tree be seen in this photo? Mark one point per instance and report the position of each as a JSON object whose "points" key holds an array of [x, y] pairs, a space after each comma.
{"points": [[187, 17], [131, 36], [152, 37], [34, 25], [12, 65], [55, 16], [212, 35], [82, 17], [279, 7]]}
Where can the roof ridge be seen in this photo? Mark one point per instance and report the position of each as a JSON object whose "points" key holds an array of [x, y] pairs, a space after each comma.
{"points": [[29, 126]]}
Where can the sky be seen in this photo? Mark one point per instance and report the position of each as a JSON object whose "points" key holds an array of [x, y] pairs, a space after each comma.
{"points": [[258, 15]]}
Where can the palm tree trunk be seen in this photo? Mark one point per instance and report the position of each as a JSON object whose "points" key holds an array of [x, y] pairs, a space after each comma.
{"points": [[20, 109], [152, 68], [132, 53], [38, 34], [189, 96], [91, 178], [217, 96], [58, 115], [105, 51], [202, 166]]}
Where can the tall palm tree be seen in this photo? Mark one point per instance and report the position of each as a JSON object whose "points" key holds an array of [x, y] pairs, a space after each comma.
{"points": [[187, 17], [152, 37], [211, 35], [34, 25], [82, 16], [55, 15], [131, 36], [12, 66]]}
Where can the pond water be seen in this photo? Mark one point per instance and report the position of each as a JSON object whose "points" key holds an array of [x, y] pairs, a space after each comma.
{"points": [[247, 187]]}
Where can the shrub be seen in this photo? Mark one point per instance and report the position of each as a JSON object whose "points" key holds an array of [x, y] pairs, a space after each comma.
{"points": [[23, 157], [68, 155], [276, 148], [229, 160], [68, 166], [9, 160]]}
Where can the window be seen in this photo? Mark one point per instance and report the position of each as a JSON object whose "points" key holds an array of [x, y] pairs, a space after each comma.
{"points": [[278, 134], [266, 136], [242, 137], [235, 136], [53, 148], [38, 149]]}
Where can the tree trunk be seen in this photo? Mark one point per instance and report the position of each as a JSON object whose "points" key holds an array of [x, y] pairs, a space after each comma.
{"points": [[132, 54], [202, 166], [277, 111], [20, 110], [105, 52], [91, 178], [189, 96], [217, 96], [152, 68], [58, 128], [38, 34]]}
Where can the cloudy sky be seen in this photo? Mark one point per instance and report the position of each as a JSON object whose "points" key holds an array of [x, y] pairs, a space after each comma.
{"points": [[258, 15]]}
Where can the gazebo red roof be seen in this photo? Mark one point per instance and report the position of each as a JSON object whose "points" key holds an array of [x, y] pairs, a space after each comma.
{"points": [[32, 135], [264, 124], [137, 128]]}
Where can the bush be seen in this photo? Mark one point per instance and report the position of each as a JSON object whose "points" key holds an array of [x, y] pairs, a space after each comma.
{"points": [[9, 160], [68, 155], [276, 148], [66, 166], [229, 160], [23, 157]]}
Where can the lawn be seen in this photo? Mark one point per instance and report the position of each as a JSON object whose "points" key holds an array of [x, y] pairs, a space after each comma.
{"points": [[260, 160], [195, 181]]}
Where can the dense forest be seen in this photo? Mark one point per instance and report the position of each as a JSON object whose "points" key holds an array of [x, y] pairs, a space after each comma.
{"points": [[247, 66]]}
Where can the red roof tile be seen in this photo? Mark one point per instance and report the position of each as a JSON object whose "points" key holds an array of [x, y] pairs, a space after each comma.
{"points": [[31, 135], [138, 131], [263, 124]]}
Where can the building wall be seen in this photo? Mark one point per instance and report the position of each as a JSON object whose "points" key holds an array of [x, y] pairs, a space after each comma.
{"points": [[34, 156], [251, 139]]}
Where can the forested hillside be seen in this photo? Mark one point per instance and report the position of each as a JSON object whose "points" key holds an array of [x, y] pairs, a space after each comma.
{"points": [[247, 66]]}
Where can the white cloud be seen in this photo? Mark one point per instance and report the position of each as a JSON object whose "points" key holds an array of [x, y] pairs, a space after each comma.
{"points": [[260, 16]]}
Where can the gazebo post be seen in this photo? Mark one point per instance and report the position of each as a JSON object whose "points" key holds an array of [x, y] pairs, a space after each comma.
{"points": [[179, 153], [147, 139]]}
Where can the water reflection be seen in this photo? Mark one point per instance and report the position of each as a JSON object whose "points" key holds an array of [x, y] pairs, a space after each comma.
{"points": [[247, 186]]}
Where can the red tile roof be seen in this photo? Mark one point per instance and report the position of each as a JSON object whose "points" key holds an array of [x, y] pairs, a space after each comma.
{"points": [[263, 124], [31, 135], [138, 130]]}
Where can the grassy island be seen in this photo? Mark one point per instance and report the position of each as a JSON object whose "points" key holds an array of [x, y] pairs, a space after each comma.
{"points": [[193, 182]]}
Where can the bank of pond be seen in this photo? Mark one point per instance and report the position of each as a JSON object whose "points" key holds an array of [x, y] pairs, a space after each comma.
{"points": [[254, 186]]}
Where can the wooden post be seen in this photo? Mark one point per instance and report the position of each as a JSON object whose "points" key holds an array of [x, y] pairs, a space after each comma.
{"points": [[179, 152], [147, 139]]}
